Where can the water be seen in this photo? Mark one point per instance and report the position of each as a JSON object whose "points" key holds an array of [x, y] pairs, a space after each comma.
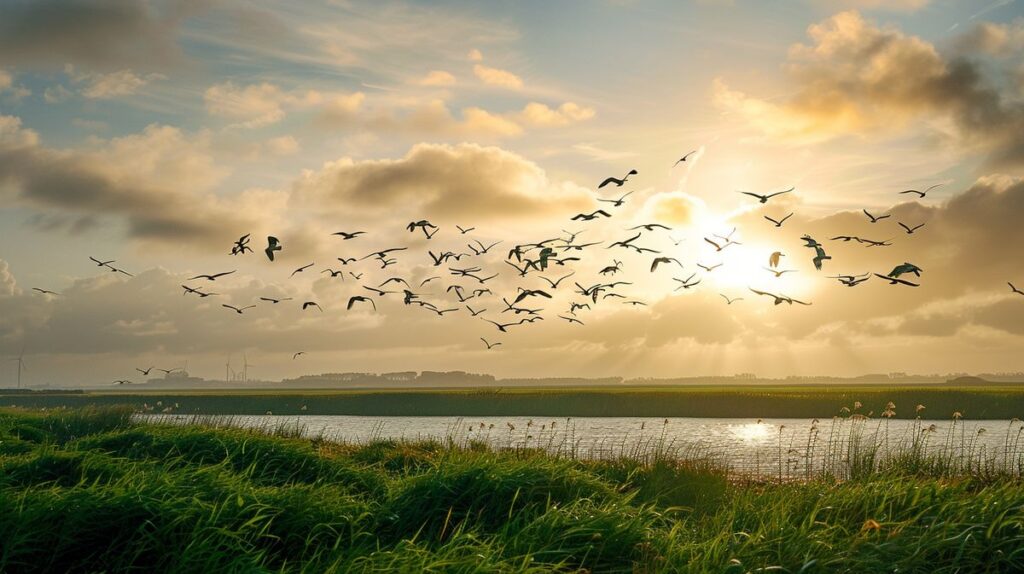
{"points": [[791, 447]]}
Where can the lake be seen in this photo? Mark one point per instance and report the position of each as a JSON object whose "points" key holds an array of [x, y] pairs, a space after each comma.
{"points": [[769, 447]]}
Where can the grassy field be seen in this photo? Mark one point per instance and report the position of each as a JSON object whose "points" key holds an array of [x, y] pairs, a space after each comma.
{"points": [[90, 490], [977, 402]]}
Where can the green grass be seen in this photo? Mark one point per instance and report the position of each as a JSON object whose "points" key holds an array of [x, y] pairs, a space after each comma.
{"points": [[992, 401], [90, 490]]}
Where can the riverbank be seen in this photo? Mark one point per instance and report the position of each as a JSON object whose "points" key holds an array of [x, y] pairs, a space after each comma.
{"points": [[91, 490], [995, 401]]}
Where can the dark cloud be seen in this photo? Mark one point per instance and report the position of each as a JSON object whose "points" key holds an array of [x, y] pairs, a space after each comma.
{"points": [[101, 34]]}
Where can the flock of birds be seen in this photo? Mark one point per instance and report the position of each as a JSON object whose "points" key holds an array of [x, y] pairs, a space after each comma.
{"points": [[469, 285]]}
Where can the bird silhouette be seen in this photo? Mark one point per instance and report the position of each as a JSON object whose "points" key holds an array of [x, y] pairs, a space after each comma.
{"points": [[618, 202], [273, 244], [779, 273], [275, 301], [213, 276], [345, 236], [778, 222], [876, 219], [360, 299], [591, 216], [685, 283], [489, 344], [908, 229], [145, 372], [241, 245], [921, 194], [301, 269], [464, 230], [729, 301], [618, 182], [896, 281], [309, 304], [682, 159], [1014, 289], [906, 268], [238, 310], [659, 260], [765, 198], [570, 319], [298, 354], [773, 259]]}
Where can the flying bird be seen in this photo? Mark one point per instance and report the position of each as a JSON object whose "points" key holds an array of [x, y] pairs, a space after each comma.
{"points": [[345, 236], [102, 263], [659, 260], [554, 284], [273, 244], [909, 230], [779, 299], [45, 291], [709, 268], [309, 304], [335, 273], [650, 227], [1014, 289], [241, 245], [779, 273], [729, 301], [778, 222], [896, 281], [489, 344], [212, 277], [145, 372], [464, 230], [685, 283], [682, 159], [773, 259], [906, 268], [301, 269], [921, 194], [765, 198], [618, 182], [359, 298], [876, 219], [275, 301], [570, 319], [590, 216], [618, 202], [238, 310]]}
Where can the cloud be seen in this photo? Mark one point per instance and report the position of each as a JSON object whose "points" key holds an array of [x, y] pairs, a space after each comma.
{"points": [[282, 146], [100, 34], [255, 105], [157, 181], [890, 5], [9, 89], [57, 94], [100, 86], [993, 38], [437, 78], [441, 181], [858, 78], [541, 115], [475, 55], [497, 77]]}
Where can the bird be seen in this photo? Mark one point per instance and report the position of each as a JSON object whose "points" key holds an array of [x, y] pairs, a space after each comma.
{"points": [[423, 224], [896, 281], [474, 313], [765, 198], [121, 382], [650, 227], [709, 268], [618, 202], [779, 299], [335, 273], [464, 230], [779, 273], [395, 280], [779, 222], [682, 159], [212, 277], [909, 230], [273, 244], [729, 301], [851, 280], [489, 344], [301, 269], [819, 257], [773, 259], [102, 263], [309, 304], [590, 216], [428, 280], [846, 238], [718, 247], [503, 326], [659, 260], [359, 298], [524, 293], [168, 371], [241, 245], [275, 301], [906, 268], [570, 319], [482, 248], [625, 242], [685, 283], [554, 284], [876, 219], [921, 194], [296, 355], [45, 291], [618, 182], [345, 236], [1014, 289], [145, 372], [238, 310]]}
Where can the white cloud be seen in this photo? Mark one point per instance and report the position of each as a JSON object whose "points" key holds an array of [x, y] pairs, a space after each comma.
{"points": [[99, 86], [255, 105], [497, 77], [541, 115], [437, 78]]}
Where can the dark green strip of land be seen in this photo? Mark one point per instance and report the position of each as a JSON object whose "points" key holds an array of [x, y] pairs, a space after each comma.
{"points": [[1005, 401]]}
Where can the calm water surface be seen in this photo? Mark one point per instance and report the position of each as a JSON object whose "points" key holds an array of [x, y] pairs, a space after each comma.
{"points": [[788, 446]]}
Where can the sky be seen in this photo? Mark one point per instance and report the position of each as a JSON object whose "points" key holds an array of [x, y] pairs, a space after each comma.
{"points": [[157, 133]]}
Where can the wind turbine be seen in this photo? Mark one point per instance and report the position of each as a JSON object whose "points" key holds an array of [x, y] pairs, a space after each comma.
{"points": [[21, 365]]}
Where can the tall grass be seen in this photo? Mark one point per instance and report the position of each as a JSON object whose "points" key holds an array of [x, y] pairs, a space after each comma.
{"points": [[95, 491]]}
